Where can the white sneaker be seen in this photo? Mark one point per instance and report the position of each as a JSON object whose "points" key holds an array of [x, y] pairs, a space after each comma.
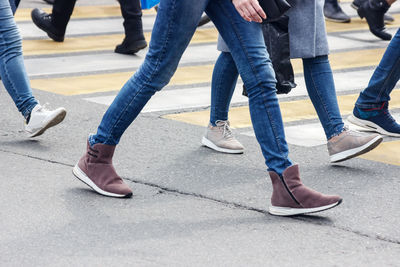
{"points": [[220, 138], [42, 119]]}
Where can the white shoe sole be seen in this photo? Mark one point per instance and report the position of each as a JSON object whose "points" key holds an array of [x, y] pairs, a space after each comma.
{"points": [[211, 145], [370, 126], [52, 121], [84, 178], [351, 153], [282, 211]]}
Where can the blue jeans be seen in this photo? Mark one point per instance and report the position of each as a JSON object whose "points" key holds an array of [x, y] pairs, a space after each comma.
{"points": [[319, 82], [321, 90], [384, 79], [14, 5], [171, 35], [12, 68]]}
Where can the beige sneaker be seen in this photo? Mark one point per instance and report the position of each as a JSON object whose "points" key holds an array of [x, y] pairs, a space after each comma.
{"points": [[220, 138], [350, 144]]}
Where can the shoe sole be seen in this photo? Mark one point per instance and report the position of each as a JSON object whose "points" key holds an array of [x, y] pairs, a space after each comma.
{"points": [[282, 211], [86, 180], [130, 52], [206, 142], [351, 153], [59, 117], [339, 21], [370, 126]]}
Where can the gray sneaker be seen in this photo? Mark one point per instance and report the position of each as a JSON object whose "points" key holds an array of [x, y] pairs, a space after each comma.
{"points": [[220, 138], [350, 144]]}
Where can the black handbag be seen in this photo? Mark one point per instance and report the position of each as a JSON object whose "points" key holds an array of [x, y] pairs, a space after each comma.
{"points": [[276, 37], [274, 9]]}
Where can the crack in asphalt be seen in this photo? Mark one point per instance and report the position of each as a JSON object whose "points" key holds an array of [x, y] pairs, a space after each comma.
{"points": [[303, 218]]}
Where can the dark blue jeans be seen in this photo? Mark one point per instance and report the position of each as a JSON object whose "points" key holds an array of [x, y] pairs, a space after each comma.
{"points": [[12, 68], [384, 79], [171, 35], [14, 5], [319, 82]]}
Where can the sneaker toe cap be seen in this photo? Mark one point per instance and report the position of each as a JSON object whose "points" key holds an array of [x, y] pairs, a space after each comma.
{"points": [[119, 189]]}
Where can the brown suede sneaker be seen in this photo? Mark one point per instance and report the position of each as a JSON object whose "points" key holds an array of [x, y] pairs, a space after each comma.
{"points": [[96, 170], [291, 197], [350, 144]]}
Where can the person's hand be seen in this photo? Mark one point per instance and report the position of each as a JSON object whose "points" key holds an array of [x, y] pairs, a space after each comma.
{"points": [[250, 10]]}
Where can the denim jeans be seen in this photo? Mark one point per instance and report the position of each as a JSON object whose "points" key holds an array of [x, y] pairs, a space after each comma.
{"points": [[14, 5], [171, 35], [320, 87], [321, 90], [384, 79], [224, 79], [12, 68]]}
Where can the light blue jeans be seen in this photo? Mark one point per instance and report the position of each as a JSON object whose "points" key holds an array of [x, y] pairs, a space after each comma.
{"points": [[171, 35], [384, 79], [319, 82], [12, 68]]}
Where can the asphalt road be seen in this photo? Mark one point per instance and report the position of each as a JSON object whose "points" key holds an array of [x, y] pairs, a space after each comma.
{"points": [[191, 206]]}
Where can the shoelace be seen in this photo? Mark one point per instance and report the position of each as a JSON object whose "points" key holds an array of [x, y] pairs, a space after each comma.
{"points": [[351, 132], [44, 107], [226, 130]]}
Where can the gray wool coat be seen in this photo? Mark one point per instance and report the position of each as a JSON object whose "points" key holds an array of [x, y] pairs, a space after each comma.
{"points": [[307, 31]]}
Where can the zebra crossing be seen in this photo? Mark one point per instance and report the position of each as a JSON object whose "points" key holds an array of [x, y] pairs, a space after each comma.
{"points": [[85, 66]]}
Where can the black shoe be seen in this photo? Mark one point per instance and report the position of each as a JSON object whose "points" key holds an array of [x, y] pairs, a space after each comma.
{"points": [[51, 2], [373, 11], [128, 47], [43, 21], [357, 3], [334, 12]]}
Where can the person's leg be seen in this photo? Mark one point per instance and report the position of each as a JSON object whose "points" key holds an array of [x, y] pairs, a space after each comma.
{"points": [[54, 24], [246, 43], [342, 144], [321, 90], [334, 12], [171, 35], [15, 78], [374, 12], [218, 135], [13, 5], [357, 3], [371, 108], [384, 78], [12, 68], [134, 38], [61, 13], [224, 78]]}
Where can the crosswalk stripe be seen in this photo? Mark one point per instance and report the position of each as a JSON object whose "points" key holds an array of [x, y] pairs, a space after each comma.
{"points": [[185, 75], [387, 152], [97, 43], [82, 12], [174, 99], [113, 81], [291, 111]]}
